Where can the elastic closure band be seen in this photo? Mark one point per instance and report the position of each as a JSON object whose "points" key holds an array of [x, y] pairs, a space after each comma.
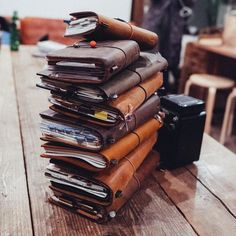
{"points": [[131, 27], [105, 46], [132, 30], [145, 92], [139, 141], [140, 77], [134, 169]]}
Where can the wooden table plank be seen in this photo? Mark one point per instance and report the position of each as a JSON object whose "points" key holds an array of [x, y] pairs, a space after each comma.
{"points": [[217, 171], [223, 50], [150, 212], [201, 208], [14, 202]]}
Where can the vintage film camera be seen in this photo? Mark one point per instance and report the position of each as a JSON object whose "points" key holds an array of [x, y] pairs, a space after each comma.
{"points": [[180, 138]]}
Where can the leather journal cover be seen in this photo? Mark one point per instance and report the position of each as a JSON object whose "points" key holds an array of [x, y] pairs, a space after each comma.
{"points": [[113, 112], [99, 213], [84, 64], [147, 65], [94, 26], [103, 187], [58, 127], [109, 157]]}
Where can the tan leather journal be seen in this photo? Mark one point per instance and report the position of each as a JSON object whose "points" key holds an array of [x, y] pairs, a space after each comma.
{"points": [[61, 128], [113, 112], [101, 213], [93, 26], [104, 187], [107, 158]]}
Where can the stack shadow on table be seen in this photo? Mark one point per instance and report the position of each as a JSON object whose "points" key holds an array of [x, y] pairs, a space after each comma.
{"points": [[101, 124]]}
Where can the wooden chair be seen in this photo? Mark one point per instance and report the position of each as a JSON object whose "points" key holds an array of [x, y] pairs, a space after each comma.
{"points": [[228, 117], [212, 83]]}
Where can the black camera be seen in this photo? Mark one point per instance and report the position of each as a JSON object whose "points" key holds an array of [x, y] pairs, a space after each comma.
{"points": [[180, 138]]}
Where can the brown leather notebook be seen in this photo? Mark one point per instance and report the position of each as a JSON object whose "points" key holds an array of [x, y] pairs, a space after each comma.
{"points": [[109, 157], [146, 66], [84, 64], [93, 26], [59, 127], [102, 187], [113, 112], [101, 213]]}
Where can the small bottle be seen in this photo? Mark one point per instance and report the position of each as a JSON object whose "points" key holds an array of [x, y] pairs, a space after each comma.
{"points": [[15, 32]]}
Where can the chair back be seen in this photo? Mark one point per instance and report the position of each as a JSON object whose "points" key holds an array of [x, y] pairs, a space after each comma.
{"points": [[229, 33]]}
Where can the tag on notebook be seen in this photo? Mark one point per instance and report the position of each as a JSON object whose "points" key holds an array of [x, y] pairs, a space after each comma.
{"points": [[102, 115]]}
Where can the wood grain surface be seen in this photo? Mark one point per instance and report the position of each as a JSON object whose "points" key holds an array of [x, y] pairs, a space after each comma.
{"points": [[150, 212], [14, 202], [204, 205], [223, 50], [217, 172], [195, 200], [202, 209]]}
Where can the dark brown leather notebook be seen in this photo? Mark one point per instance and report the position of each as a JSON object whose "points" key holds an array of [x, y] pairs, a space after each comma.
{"points": [[91, 25], [84, 64], [109, 157], [58, 127], [103, 187], [113, 112], [99, 213], [146, 66]]}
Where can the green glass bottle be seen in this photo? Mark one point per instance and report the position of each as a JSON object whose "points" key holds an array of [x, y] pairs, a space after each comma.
{"points": [[15, 32]]}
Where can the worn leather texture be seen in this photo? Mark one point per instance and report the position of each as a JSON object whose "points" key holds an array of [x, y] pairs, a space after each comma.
{"points": [[109, 57], [109, 135], [104, 213], [114, 179], [129, 101], [124, 105], [146, 66], [113, 29], [114, 153]]}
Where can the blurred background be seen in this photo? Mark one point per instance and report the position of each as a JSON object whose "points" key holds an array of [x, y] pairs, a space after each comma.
{"points": [[195, 36]]}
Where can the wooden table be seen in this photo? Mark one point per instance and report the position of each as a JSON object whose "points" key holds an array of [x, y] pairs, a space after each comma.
{"points": [[217, 60], [199, 199]]}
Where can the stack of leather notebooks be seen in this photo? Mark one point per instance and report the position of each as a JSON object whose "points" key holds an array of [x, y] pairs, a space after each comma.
{"points": [[102, 121]]}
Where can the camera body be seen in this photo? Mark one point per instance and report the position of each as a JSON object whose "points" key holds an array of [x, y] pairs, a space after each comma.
{"points": [[180, 138]]}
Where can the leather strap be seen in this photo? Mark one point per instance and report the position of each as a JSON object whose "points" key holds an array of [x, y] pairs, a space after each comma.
{"points": [[100, 46], [133, 166], [140, 86], [131, 27], [138, 137], [132, 30], [140, 77]]}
